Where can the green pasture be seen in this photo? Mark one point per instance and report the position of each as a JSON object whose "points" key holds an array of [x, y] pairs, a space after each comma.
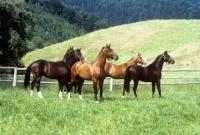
{"points": [[176, 113], [150, 38]]}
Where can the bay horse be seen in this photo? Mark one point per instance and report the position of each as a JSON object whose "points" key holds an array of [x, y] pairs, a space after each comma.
{"points": [[117, 71], [92, 71], [151, 73], [59, 70]]}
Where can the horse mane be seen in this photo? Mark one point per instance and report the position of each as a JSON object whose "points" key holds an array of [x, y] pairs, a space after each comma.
{"points": [[67, 57], [157, 60], [131, 59], [100, 52]]}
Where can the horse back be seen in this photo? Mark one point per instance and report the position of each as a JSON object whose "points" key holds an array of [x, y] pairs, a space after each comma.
{"points": [[52, 70], [82, 69], [146, 74], [115, 71]]}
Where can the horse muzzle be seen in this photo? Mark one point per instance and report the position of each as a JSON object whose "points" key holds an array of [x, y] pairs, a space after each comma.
{"points": [[115, 57], [171, 61]]}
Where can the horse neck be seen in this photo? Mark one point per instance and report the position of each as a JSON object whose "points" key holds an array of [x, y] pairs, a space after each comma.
{"points": [[130, 62], [101, 60], [158, 62], [69, 60]]}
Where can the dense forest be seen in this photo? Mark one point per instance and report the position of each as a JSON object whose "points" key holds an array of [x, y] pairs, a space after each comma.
{"points": [[56, 22], [32, 24], [128, 11]]}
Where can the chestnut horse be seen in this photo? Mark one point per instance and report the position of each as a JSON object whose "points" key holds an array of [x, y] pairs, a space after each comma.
{"points": [[59, 70], [117, 71], [151, 73], [92, 71]]}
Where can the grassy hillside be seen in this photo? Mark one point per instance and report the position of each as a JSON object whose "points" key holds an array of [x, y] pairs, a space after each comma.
{"points": [[151, 38]]}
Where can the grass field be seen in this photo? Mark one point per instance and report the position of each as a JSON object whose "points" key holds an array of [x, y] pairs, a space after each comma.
{"points": [[176, 113]]}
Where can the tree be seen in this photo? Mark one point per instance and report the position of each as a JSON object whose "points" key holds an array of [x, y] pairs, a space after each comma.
{"points": [[14, 20]]}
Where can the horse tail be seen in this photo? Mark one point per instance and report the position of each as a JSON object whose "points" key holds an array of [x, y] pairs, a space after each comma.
{"points": [[127, 79], [27, 76]]}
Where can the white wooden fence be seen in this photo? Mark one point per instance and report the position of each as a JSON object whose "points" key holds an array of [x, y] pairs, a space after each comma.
{"points": [[195, 79]]}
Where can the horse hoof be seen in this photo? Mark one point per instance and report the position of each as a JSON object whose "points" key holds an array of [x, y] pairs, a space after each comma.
{"points": [[101, 99], [122, 96]]}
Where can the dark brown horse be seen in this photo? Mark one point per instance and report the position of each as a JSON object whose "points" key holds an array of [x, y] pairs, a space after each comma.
{"points": [[92, 71], [117, 71], [68, 52], [151, 73], [54, 70]]}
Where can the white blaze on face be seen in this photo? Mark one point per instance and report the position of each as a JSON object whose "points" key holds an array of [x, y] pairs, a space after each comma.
{"points": [[145, 62]]}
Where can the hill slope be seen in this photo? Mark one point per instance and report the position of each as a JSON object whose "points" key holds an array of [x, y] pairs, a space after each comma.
{"points": [[151, 38]]}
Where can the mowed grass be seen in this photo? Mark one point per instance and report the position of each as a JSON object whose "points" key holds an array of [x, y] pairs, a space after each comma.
{"points": [[176, 113]]}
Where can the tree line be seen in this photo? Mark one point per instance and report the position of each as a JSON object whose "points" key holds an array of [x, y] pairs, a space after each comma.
{"points": [[129, 11], [56, 22]]}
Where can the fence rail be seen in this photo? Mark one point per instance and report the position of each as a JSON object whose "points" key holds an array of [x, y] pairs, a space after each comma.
{"points": [[195, 77]]}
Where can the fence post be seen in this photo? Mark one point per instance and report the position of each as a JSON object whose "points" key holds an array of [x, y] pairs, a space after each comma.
{"points": [[111, 84], [15, 77]]}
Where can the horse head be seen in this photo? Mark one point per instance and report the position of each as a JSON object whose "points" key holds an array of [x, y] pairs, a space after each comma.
{"points": [[167, 58], [109, 53], [78, 55], [140, 59], [68, 51]]}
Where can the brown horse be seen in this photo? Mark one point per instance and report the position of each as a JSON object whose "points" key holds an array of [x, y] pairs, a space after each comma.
{"points": [[151, 73], [92, 71], [54, 70], [117, 71]]}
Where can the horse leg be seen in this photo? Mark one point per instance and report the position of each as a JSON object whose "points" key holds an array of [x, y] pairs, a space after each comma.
{"points": [[60, 82], [95, 89], [38, 87], [126, 88], [80, 84], [71, 85], [153, 89], [101, 88], [135, 87], [32, 86], [75, 85], [158, 87]]}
